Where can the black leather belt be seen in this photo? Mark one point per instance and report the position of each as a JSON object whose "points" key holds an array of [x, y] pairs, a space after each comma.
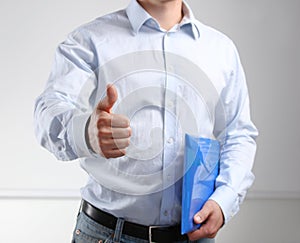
{"points": [[158, 234]]}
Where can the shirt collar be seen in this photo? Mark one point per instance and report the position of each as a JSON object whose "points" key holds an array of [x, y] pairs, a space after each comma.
{"points": [[189, 19], [138, 16]]}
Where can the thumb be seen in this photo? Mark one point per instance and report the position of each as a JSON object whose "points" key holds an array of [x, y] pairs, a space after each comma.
{"points": [[109, 100], [202, 215]]}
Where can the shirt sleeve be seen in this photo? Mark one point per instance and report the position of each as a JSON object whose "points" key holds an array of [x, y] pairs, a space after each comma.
{"points": [[237, 134], [62, 110]]}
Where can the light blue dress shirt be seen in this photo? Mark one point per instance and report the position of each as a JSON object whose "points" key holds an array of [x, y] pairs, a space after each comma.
{"points": [[185, 80]]}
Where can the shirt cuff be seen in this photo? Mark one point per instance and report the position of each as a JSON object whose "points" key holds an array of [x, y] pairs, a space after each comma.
{"points": [[228, 201], [79, 137]]}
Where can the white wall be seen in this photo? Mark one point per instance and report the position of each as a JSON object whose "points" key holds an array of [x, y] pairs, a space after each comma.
{"points": [[38, 192], [264, 221]]}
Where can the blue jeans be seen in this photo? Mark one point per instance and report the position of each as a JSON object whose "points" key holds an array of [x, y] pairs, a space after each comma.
{"points": [[89, 231]]}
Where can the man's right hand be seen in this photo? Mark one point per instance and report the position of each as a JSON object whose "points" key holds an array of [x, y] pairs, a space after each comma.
{"points": [[108, 133]]}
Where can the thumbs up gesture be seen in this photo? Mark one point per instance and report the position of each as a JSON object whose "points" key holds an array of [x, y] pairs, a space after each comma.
{"points": [[108, 133]]}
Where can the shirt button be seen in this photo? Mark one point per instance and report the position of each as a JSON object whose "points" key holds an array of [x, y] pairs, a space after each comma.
{"points": [[171, 69], [170, 140], [77, 232], [165, 213], [170, 104]]}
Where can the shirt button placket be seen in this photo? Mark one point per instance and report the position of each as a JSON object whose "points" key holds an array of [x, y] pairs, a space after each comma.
{"points": [[169, 136]]}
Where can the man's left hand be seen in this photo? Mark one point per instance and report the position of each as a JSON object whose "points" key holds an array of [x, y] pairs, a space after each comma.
{"points": [[211, 219]]}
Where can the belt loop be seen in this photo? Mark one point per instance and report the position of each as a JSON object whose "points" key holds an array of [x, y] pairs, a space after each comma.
{"points": [[80, 208], [118, 230]]}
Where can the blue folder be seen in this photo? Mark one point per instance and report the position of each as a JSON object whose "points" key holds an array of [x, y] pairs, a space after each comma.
{"points": [[201, 167]]}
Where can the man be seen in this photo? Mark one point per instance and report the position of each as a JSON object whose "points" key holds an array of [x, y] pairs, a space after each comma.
{"points": [[119, 100]]}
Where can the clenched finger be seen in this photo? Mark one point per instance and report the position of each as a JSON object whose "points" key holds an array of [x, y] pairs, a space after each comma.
{"points": [[118, 120], [114, 133], [110, 143], [114, 153]]}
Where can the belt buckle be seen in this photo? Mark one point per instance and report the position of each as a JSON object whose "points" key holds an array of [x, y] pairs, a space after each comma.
{"points": [[150, 231]]}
